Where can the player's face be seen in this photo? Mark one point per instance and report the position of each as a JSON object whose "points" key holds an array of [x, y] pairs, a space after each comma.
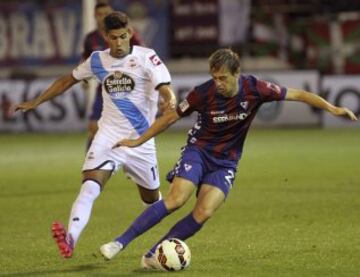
{"points": [[119, 42], [100, 14], [226, 82]]}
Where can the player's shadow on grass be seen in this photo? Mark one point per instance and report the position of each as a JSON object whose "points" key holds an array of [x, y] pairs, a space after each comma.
{"points": [[141, 271], [74, 269]]}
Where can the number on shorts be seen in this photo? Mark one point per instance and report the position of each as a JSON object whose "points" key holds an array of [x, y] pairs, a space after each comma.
{"points": [[229, 178]]}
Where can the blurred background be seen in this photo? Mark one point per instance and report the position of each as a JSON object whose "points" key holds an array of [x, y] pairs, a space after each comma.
{"points": [[313, 44]]}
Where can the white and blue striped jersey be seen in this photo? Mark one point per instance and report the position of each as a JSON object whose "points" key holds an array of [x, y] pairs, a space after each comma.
{"points": [[129, 90]]}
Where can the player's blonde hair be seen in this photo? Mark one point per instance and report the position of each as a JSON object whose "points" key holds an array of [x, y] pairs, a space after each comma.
{"points": [[225, 57]]}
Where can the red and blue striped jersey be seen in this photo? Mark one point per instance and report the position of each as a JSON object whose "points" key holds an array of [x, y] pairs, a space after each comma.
{"points": [[223, 122], [94, 41]]}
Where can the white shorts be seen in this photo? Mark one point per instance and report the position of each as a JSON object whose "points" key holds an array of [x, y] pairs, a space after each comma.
{"points": [[138, 163]]}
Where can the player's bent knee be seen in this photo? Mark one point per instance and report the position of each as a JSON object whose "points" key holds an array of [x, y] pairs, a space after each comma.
{"points": [[173, 202], [201, 214]]}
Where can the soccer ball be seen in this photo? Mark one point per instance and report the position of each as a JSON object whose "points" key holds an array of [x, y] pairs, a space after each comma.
{"points": [[173, 255]]}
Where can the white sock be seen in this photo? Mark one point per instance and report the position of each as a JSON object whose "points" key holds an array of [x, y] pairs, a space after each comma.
{"points": [[81, 209]]}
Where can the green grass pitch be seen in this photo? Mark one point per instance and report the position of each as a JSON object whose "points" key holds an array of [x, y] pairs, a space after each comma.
{"points": [[294, 209]]}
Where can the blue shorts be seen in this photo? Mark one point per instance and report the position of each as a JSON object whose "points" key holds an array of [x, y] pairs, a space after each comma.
{"points": [[200, 168], [96, 108]]}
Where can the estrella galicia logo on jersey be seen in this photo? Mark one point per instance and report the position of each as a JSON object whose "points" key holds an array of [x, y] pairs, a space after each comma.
{"points": [[119, 84], [155, 60]]}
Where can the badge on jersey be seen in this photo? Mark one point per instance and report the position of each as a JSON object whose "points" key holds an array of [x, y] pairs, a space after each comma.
{"points": [[132, 63], [244, 104], [155, 60]]}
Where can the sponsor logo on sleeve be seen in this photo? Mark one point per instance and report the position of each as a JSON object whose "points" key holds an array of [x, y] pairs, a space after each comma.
{"points": [[184, 105], [155, 60], [273, 87]]}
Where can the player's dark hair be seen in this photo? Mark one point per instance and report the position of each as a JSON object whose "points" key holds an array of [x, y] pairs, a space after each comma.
{"points": [[225, 57], [116, 20]]}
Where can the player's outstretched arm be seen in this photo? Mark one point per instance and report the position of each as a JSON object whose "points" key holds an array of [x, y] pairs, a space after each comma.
{"points": [[157, 127], [319, 102], [56, 88]]}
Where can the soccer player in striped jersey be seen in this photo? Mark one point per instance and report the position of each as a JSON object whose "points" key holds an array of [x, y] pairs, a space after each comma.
{"points": [[132, 79], [226, 105]]}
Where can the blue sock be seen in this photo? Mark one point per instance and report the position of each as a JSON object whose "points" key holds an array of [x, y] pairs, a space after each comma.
{"points": [[184, 229], [150, 217]]}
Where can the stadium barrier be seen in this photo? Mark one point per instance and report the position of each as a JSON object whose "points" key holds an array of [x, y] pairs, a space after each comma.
{"points": [[68, 112], [65, 113]]}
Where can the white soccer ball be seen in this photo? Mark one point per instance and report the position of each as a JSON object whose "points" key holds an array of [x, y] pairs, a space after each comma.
{"points": [[173, 255]]}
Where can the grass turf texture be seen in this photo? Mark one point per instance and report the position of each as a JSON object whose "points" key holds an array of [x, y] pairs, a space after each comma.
{"points": [[294, 209]]}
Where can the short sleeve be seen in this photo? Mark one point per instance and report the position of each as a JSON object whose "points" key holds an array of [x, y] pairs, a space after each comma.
{"points": [[83, 71], [189, 104], [158, 72], [269, 91]]}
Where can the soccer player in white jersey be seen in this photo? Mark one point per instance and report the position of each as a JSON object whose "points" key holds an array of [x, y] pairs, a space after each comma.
{"points": [[132, 79]]}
